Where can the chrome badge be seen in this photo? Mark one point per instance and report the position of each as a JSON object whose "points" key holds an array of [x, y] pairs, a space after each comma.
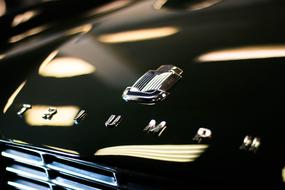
{"points": [[202, 133], [250, 143], [152, 127], [23, 109], [79, 117], [153, 85], [113, 121], [50, 113]]}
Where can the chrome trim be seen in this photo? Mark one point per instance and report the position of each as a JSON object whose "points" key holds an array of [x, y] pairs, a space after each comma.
{"points": [[63, 168], [28, 172], [50, 113], [23, 109], [22, 157], [79, 117], [26, 185], [113, 121], [47, 168], [156, 129], [71, 184]]}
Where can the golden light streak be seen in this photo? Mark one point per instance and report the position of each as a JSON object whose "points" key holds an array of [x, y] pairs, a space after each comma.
{"points": [[159, 4], [19, 141], [81, 29], [24, 17], [65, 67], [243, 53], [112, 6], [63, 118], [2, 56], [2, 7], [138, 35], [13, 96], [63, 150], [172, 153], [203, 4], [152, 157], [192, 6], [26, 34], [47, 60]]}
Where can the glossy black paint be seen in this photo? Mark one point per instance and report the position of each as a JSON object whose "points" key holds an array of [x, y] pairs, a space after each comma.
{"points": [[232, 98]]}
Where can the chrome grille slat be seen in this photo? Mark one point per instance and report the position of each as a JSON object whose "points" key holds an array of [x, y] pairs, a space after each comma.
{"points": [[27, 172], [80, 173], [54, 170], [27, 185], [71, 184], [22, 157]]}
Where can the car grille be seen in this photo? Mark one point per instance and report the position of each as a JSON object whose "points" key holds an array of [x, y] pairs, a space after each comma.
{"points": [[30, 169]]}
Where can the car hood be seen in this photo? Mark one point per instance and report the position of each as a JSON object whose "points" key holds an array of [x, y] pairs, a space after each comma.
{"points": [[231, 84]]}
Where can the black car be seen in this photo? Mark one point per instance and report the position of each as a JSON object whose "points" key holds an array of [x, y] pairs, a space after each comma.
{"points": [[150, 94]]}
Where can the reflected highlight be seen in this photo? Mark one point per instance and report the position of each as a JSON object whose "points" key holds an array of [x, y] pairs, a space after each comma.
{"points": [[158, 4], [81, 29], [138, 35], [48, 59], [13, 96], [171, 153], [2, 56], [19, 141], [2, 7], [63, 118], [65, 67], [26, 34], [203, 4], [21, 18], [243, 53], [191, 6], [63, 150], [112, 6]]}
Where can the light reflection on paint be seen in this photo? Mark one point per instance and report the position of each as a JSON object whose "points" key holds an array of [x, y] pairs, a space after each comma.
{"points": [[112, 6], [172, 153], [2, 56], [138, 35], [203, 4], [13, 96], [81, 29], [2, 7], [63, 118], [158, 4], [19, 141], [63, 150], [63, 67], [192, 6], [243, 53], [24, 17], [47, 60], [26, 34]]}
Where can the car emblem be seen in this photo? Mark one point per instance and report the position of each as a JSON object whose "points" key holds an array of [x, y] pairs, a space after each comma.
{"points": [[113, 121], [202, 133], [50, 113], [153, 85], [250, 143], [80, 116], [23, 109], [156, 129]]}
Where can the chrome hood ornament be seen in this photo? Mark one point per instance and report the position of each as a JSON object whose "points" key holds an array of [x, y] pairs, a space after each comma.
{"points": [[153, 85]]}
